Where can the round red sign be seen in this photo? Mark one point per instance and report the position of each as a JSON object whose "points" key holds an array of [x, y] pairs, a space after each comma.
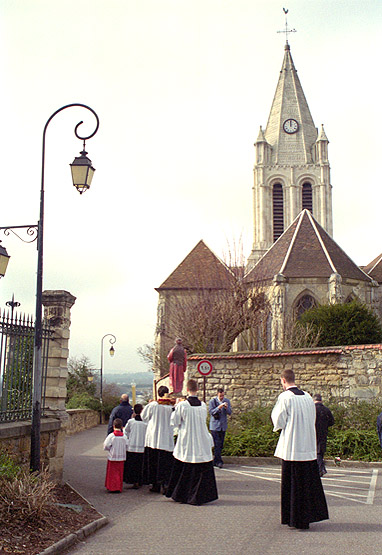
{"points": [[204, 367]]}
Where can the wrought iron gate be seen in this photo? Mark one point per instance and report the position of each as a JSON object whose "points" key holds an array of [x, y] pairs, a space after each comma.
{"points": [[16, 366]]}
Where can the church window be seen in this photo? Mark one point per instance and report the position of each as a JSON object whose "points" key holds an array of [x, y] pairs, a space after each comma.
{"points": [[278, 211], [303, 304], [307, 198]]}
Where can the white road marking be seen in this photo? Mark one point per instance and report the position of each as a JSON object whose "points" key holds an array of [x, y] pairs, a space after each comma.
{"points": [[340, 480]]}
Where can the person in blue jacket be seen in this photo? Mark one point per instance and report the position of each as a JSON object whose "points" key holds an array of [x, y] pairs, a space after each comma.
{"points": [[219, 407], [123, 411]]}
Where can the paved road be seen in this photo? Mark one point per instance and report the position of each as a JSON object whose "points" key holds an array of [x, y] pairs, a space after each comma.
{"points": [[245, 519]]}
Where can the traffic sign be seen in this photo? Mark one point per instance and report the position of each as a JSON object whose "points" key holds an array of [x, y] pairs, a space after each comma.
{"points": [[204, 367]]}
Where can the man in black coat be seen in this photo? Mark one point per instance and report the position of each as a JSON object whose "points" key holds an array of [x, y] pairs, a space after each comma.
{"points": [[123, 411], [324, 419]]}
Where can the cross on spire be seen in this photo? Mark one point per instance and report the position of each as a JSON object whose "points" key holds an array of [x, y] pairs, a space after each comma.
{"points": [[287, 30]]}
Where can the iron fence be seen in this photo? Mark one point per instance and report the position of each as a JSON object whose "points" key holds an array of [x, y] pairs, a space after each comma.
{"points": [[16, 366]]}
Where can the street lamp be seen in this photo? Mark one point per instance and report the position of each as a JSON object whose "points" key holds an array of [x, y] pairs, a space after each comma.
{"points": [[112, 340], [82, 173], [4, 259]]}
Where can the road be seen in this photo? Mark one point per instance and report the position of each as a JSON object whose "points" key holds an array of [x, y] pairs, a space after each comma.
{"points": [[245, 519]]}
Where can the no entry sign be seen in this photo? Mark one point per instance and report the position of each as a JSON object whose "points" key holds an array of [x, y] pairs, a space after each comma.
{"points": [[204, 367]]}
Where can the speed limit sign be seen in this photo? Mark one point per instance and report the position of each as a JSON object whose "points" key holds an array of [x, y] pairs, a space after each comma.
{"points": [[204, 367]]}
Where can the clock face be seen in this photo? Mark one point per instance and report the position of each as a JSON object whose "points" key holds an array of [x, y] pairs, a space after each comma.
{"points": [[290, 126]]}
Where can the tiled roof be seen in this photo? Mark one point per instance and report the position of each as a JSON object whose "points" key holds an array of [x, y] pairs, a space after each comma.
{"points": [[305, 250], [200, 268], [273, 354], [374, 269]]}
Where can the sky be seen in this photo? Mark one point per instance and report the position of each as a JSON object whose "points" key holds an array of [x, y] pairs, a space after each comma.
{"points": [[181, 89]]}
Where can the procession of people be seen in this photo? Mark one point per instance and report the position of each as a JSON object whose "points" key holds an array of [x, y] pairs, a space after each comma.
{"points": [[168, 446]]}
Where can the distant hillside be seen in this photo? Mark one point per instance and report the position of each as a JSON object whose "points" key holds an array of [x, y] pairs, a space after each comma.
{"points": [[141, 379]]}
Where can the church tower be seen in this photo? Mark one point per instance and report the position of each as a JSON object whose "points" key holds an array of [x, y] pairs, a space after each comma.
{"points": [[291, 171]]}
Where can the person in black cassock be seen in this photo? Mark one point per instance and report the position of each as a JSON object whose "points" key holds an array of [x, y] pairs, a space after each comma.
{"points": [[302, 496], [324, 419], [192, 478]]}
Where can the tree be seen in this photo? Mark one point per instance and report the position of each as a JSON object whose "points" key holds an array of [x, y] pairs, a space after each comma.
{"points": [[343, 324], [80, 377]]}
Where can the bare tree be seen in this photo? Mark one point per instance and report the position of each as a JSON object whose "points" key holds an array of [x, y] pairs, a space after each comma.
{"points": [[299, 336], [219, 306]]}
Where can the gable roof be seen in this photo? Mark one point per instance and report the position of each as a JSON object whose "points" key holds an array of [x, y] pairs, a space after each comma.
{"points": [[200, 269], [305, 250], [374, 269]]}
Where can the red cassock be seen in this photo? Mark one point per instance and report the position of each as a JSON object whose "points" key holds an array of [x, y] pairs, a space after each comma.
{"points": [[114, 475]]}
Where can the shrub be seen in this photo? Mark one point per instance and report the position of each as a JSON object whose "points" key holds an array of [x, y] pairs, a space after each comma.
{"points": [[28, 496], [343, 324], [83, 401], [8, 468]]}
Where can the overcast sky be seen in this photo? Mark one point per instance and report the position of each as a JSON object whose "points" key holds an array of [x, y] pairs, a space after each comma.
{"points": [[181, 88]]}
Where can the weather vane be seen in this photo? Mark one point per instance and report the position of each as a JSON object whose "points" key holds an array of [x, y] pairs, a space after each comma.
{"points": [[287, 30]]}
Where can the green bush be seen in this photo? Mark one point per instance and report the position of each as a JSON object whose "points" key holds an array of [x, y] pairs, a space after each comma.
{"points": [[8, 468], [83, 401], [343, 324], [353, 436]]}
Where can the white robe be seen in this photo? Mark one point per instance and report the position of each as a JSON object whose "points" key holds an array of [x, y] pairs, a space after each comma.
{"points": [[194, 443], [116, 447], [160, 432], [135, 432], [295, 416]]}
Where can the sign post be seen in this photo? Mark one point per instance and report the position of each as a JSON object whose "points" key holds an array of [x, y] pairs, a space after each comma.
{"points": [[204, 368]]}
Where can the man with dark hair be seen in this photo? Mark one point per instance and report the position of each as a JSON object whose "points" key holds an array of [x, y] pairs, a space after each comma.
{"points": [[324, 419], [219, 407], [123, 411], [178, 363], [159, 441], [302, 496], [192, 478]]}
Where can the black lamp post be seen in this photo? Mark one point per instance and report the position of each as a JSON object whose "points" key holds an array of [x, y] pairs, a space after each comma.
{"points": [[112, 340], [82, 174]]}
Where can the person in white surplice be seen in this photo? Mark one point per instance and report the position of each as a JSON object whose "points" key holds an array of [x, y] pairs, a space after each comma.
{"points": [[302, 496]]}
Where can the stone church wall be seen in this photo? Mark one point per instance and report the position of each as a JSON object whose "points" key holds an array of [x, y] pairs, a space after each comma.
{"points": [[251, 378]]}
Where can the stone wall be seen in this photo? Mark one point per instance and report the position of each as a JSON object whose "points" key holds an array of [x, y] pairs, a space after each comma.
{"points": [[15, 441], [250, 378], [81, 419]]}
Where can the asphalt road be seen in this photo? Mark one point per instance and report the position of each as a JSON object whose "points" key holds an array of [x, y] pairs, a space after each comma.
{"points": [[244, 520]]}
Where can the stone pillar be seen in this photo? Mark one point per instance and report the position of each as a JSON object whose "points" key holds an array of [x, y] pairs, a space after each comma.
{"points": [[57, 305]]}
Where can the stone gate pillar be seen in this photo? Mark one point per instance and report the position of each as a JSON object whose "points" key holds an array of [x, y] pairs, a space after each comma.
{"points": [[57, 305]]}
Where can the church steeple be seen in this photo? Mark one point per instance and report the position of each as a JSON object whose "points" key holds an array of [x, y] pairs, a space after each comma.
{"points": [[291, 171]]}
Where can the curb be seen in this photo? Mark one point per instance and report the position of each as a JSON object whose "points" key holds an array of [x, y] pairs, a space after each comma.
{"points": [[80, 534]]}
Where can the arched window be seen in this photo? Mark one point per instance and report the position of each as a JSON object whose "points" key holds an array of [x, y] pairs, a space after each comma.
{"points": [[304, 303], [278, 211], [307, 197]]}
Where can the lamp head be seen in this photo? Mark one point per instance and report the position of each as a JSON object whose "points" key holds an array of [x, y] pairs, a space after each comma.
{"points": [[112, 351], [82, 172], [4, 259]]}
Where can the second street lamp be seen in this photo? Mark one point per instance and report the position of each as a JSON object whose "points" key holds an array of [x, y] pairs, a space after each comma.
{"points": [[112, 340]]}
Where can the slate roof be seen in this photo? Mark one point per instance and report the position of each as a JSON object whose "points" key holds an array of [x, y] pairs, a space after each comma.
{"points": [[305, 250], [200, 268], [374, 269]]}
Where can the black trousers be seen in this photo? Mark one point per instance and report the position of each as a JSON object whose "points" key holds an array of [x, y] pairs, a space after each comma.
{"points": [[218, 436]]}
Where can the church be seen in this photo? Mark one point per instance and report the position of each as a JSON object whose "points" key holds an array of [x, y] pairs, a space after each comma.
{"points": [[294, 257]]}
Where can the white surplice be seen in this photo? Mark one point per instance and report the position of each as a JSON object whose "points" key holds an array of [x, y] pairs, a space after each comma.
{"points": [[194, 443], [295, 416], [160, 432]]}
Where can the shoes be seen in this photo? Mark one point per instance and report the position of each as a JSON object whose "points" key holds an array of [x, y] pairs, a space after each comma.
{"points": [[155, 488], [135, 486], [219, 465]]}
